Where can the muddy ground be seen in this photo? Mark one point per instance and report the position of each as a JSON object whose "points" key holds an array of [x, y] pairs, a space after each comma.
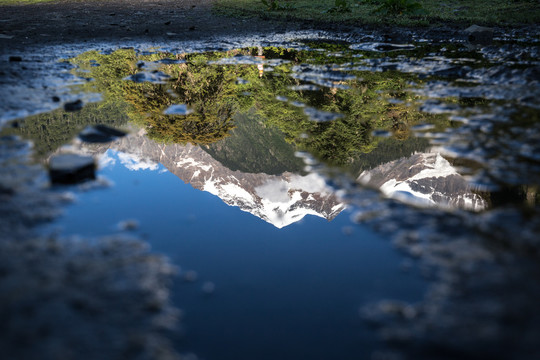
{"points": [[74, 21], [69, 21]]}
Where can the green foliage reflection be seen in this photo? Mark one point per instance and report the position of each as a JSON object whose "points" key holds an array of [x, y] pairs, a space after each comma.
{"points": [[216, 92]]}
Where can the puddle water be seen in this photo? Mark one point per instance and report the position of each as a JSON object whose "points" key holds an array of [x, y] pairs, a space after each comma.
{"points": [[282, 181]]}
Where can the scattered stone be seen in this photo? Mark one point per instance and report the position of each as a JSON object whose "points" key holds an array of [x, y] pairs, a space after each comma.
{"points": [[71, 169], [15, 58], [479, 35], [100, 134], [167, 23], [4, 36], [73, 105], [55, 99], [191, 28]]}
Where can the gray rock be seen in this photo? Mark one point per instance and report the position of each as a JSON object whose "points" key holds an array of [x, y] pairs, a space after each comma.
{"points": [[74, 105], [71, 169], [479, 35], [100, 134]]}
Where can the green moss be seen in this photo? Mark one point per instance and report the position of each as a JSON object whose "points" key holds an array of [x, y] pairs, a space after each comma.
{"points": [[494, 12], [22, 2]]}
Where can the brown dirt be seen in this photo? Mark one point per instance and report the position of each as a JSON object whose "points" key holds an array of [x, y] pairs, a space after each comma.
{"points": [[67, 21]]}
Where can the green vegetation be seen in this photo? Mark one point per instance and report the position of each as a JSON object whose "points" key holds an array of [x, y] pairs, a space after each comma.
{"points": [[256, 147], [397, 12], [276, 5], [50, 131], [22, 2], [398, 7], [250, 120], [340, 6]]}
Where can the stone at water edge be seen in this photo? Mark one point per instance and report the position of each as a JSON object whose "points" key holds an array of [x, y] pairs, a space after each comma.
{"points": [[100, 134], [71, 169], [479, 35], [73, 105]]}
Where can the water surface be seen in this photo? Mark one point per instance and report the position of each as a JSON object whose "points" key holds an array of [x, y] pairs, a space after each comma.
{"points": [[323, 200]]}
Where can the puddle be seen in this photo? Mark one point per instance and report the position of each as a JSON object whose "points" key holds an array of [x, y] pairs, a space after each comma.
{"points": [[281, 179]]}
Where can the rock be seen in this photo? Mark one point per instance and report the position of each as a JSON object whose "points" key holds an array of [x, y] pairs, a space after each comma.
{"points": [[74, 105], [71, 169], [15, 58], [479, 35], [100, 134]]}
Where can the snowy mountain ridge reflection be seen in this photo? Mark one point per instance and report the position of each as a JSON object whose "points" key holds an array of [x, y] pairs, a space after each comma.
{"points": [[281, 200], [277, 199], [424, 179]]}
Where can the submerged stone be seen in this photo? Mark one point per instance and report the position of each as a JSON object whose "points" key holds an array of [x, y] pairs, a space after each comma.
{"points": [[71, 169], [100, 134], [479, 35], [74, 105]]}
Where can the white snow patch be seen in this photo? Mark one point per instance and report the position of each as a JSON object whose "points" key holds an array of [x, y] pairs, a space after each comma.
{"points": [[237, 192], [189, 162]]}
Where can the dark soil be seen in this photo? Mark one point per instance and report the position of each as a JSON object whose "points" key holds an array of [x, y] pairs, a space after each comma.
{"points": [[79, 21], [72, 21]]}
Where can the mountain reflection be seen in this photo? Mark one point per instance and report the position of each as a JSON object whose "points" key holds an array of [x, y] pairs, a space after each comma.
{"points": [[234, 131], [277, 199], [424, 179]]}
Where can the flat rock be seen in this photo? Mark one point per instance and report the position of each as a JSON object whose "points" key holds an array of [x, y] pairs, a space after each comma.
{"points": [[73, 105], [100, 134], [71, 169]]}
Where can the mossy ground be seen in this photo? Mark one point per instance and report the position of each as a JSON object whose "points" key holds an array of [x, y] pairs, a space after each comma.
{"points": [[493, 12]]}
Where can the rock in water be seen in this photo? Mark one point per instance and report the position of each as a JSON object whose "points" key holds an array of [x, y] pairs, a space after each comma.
{"points": [[479, 35], [71, 169], [100, 134], [74, 105]]}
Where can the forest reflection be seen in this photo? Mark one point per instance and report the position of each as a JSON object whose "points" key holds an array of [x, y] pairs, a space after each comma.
{"points": [[252, 109]]}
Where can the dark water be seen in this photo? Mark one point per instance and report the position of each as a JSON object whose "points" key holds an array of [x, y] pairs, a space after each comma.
{"points": [[323, 200]]}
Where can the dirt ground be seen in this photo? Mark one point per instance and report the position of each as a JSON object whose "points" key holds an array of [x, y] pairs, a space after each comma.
{"points": [[79, 21], [68, 21]]}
